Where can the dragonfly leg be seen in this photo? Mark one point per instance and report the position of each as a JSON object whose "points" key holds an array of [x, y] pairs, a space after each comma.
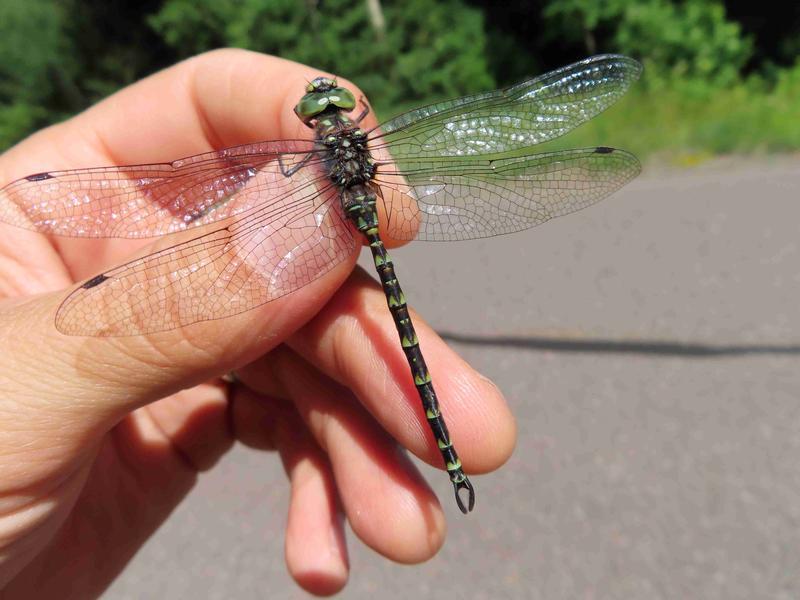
{"points": [[292, 170], [363, 102]]}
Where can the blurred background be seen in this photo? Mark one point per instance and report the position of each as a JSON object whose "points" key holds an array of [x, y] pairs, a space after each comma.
{"points": [[720, 77], [648, 345]]}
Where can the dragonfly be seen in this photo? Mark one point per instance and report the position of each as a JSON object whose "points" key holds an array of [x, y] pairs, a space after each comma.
{"points": [[273, 216]]}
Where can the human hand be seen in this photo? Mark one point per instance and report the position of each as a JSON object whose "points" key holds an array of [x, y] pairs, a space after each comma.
{"points": [[103, 437]]}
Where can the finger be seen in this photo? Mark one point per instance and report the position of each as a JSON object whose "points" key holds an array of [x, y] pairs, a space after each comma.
{"points": [[315, 547], [389, 504], [254, 414], [222, 98], [207, 101], [217, 99], [111, 376], [354, 341], [81, 386], [62, 393], [194, 106], [196, 421]]}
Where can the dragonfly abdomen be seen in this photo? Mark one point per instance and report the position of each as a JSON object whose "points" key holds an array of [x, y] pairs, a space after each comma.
{"points": [[351, 167], [359, 205]]}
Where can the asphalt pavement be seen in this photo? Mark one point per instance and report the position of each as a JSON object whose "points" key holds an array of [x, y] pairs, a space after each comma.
{"points": [[650, 349]]}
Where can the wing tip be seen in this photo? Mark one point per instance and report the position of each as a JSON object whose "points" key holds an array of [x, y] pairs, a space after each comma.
{"points": [[629, 64], [632, 163]]}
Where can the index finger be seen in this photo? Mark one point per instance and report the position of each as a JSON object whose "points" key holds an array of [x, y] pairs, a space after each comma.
{"points": [[218, 99]]}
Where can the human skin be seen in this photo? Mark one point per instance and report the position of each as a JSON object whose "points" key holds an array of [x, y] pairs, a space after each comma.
{"points": [[101, 438]]}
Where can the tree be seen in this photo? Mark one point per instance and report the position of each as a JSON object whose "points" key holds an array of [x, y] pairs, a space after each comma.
{"points": [[422, 53], [691, 38]]}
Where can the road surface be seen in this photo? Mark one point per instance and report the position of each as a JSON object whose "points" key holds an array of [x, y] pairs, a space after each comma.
{"points": [[650, 348]]}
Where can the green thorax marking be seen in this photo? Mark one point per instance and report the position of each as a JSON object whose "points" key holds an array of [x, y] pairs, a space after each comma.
{"points": [[332, 123]]}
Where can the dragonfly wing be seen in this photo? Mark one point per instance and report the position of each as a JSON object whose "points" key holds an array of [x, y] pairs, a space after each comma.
{"points": [[142, 201], [471, 197], [520, 116], [226, 271]]}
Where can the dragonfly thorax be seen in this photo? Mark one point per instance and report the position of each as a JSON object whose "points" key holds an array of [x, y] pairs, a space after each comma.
{"points": [[347, 156]]}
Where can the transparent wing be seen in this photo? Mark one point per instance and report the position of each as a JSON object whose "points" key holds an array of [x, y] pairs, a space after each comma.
{"points": [[471, 197], [516, 117], [254, 258], [143, 201]]}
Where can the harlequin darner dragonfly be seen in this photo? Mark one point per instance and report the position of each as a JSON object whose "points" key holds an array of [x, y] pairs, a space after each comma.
{"points": [[273, 216]]}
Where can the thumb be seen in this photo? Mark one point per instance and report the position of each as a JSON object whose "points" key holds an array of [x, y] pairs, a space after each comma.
{"points": [[62, 394], [87, 384]]}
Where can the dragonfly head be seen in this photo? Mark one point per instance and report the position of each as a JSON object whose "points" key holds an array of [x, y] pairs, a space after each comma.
{"points": [[323, 94]]}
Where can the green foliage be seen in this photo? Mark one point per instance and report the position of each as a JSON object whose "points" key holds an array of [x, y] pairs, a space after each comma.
{"points": [[32, 47], [30, 44], [686, 121], [59, 56], [691, 38], [17, 119], [422, 54]]}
